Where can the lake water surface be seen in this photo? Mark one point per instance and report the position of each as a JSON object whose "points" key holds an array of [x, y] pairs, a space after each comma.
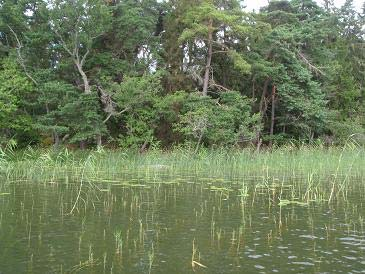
{"points": [[180, 225]]}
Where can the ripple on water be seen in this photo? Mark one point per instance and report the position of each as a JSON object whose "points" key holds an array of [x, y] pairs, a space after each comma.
{"points": [[257, 266], [353, 241], [311, 237], [350, 258], [303, 263], [255, 256]]}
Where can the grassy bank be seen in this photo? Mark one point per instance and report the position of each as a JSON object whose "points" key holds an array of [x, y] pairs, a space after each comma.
{"points": [[285, 163]]}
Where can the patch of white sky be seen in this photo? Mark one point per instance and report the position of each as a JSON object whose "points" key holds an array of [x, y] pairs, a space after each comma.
{"points": [[257, 4]]}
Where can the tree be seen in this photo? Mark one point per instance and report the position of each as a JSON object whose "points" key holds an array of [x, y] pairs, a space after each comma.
{"points": [[14, 89], [226, 121], [77, 24], [212, 27], [137, 99], [53, 98], [128, 72]]}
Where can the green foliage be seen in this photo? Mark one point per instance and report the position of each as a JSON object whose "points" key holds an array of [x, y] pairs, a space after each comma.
{"points": [[348, 129], [224, 121], [239, 62], [138, 98], [69, 114], [84, 118], [14, 88], [127, 73], [217, 29], [79, 22], [53, 96]]}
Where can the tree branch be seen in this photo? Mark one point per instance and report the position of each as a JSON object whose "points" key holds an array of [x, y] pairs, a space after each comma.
{"points": [[116, 114], [218, 86], [84, 57], [64, 45], [311, 67], [20, 57]]}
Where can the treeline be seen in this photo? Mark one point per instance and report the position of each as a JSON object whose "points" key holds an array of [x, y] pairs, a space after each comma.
{"points": [[147, 73]]}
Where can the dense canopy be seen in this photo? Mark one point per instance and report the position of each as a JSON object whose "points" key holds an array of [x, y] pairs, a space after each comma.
{"points": [[146, 73]]}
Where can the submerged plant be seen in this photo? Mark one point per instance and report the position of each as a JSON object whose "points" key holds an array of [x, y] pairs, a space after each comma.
{"points": [[195, 258], [119, 242]]}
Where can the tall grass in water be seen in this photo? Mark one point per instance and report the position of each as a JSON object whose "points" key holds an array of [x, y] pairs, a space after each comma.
{"points": [[284, 164]]}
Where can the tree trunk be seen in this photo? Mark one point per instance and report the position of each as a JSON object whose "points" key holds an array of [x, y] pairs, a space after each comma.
{"points": [[262, 110], [253, 89], [258, 146], [98, 141], [273, 95], [87, 88], [209, 58], [143, 147], [311, 137], [82, 145], [199, 142], [263, 107], [56, 139]]}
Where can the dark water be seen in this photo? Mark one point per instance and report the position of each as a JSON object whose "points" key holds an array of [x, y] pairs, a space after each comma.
{"points": [[186, 226]]}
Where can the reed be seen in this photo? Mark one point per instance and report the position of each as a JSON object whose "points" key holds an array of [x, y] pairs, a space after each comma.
{"points": [[307, 173], [105, 165]]}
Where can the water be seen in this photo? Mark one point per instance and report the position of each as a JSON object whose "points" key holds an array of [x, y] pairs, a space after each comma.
{"points": [[189, 225]]}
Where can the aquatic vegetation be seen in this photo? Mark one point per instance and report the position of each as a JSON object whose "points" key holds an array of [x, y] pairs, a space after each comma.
{"points": [[119, 243], [288, 202], [190, 226], [216, 166], [151, 256], [115, 210], [305, 175], [195, 257]]}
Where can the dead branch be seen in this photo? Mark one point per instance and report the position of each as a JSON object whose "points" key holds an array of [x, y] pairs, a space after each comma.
{"points": [[220, 87], [20, 57], [116, 114], [109, 104], [311, 67]]}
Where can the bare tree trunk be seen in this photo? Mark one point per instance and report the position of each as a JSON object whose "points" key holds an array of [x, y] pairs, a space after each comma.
{"points": [[87, 88], [209, 58], [262, 110], [98, 140], [272, 125], [79, 60], [143, 147], [82, 145], [253, 89], [199, 142], [263, 106], [258, 146], [56, 139], [311, 137]]}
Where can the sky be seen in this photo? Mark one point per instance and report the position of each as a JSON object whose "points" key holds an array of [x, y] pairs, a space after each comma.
{"points": [[256, 4]]}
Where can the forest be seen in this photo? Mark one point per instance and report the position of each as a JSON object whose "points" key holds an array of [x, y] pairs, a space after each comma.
{"points": [[182, 136], [142, 74]]}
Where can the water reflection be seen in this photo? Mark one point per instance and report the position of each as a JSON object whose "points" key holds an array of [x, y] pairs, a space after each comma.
{"points": [[182, 225]]}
